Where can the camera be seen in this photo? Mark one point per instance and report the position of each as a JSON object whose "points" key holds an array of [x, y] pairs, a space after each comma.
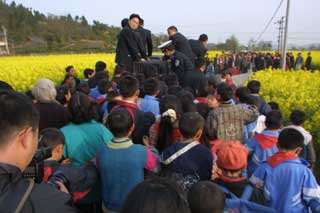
{"points": [[35, 169]]}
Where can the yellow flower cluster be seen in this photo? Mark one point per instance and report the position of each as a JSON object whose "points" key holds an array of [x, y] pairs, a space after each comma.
{"points": [[294, 90], [22, 71]]}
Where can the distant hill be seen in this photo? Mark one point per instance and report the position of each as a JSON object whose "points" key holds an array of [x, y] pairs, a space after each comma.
{"points": [[30, 31]]}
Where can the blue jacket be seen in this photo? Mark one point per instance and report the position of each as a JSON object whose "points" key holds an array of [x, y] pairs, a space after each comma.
{"points": [[261, 146], [288, 186], [150, 104], [121, 165]]}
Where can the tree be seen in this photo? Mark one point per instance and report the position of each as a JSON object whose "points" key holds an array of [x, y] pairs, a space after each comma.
{"points": [[232, 43]]}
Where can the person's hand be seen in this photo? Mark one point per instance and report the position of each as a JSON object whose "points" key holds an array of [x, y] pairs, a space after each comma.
{"points": [[62, 187], [66, 161], [145, 141]]}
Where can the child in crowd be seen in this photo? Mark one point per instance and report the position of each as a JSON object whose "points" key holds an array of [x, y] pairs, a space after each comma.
{"points": [[150, 102], [129, 89], [121, 162], [254, 87], [189, 158], [263, 145], [88, 74], [156, 195], [297, 119], [229, 120], [288, 184], [206, 197], [165, 131]]}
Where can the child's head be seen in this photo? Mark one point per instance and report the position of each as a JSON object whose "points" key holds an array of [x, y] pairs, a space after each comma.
{"points": [[274, 120], [191, 125], [88, 73], [129, 87], [224, 93], [101, 66], [53, 138], [226, 74], [156, 195], [243, 95], [172, 80], [68, 80], [113, 96], [254, 86], [297, 117], [104, 86], [120, 123], [290, 140], [274, 105], [232, 158], [70, 70], [151, 87], [119, 69], [206, 197]]}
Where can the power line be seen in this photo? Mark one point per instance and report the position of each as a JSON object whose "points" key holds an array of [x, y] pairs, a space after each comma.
{"points": [[270, 21]]}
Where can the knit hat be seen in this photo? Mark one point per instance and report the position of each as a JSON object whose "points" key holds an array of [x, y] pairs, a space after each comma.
{"points": [[44, 90], [232, 155]]}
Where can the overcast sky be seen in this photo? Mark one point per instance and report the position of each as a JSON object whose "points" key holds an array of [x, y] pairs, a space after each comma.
{"points": [[218, 18]]}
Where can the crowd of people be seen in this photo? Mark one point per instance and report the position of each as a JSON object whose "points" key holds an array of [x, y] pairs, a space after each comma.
{"points": [[144, 142]]}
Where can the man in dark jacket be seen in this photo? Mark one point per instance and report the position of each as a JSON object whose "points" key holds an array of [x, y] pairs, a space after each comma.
{"points": [[308, 61], [180, 42], [18, 143], [146, 37], [199, 47], [179, 63], [129, 46], [196, 79]]}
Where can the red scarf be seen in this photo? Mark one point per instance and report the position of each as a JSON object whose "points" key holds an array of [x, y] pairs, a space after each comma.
{"points": [[266, 141], [202, 100], [280, 157]]}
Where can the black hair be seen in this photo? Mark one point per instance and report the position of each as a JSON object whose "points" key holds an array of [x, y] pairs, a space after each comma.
{"points": [[157, 195], [141, 21], [104, 85], [17, 112], [165, 126], [186, 99], [101, 66], [111, 105], [102, 75], [151, 86], [66, 77], [51, 137], [213, 82], [69, 68], [199, 63], [203, 91], [119, 122], [124, 22], [128, 86], [132, 16], [150, 71], [111, 95], [172, 80], [203, 37], [225, 92], [5, 86], [297, 117], [174, 90], [254, 86], [274, 105], [87, 72], [190, 123], [82, 109], [290, 139], [119, 69], [206, 197], [62, 91], [274, 120], [203, 109], [173, 28], [244, 95]]}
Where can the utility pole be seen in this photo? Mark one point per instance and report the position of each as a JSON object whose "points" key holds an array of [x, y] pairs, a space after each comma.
{"points": [[280, 35], [285, 39]]}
